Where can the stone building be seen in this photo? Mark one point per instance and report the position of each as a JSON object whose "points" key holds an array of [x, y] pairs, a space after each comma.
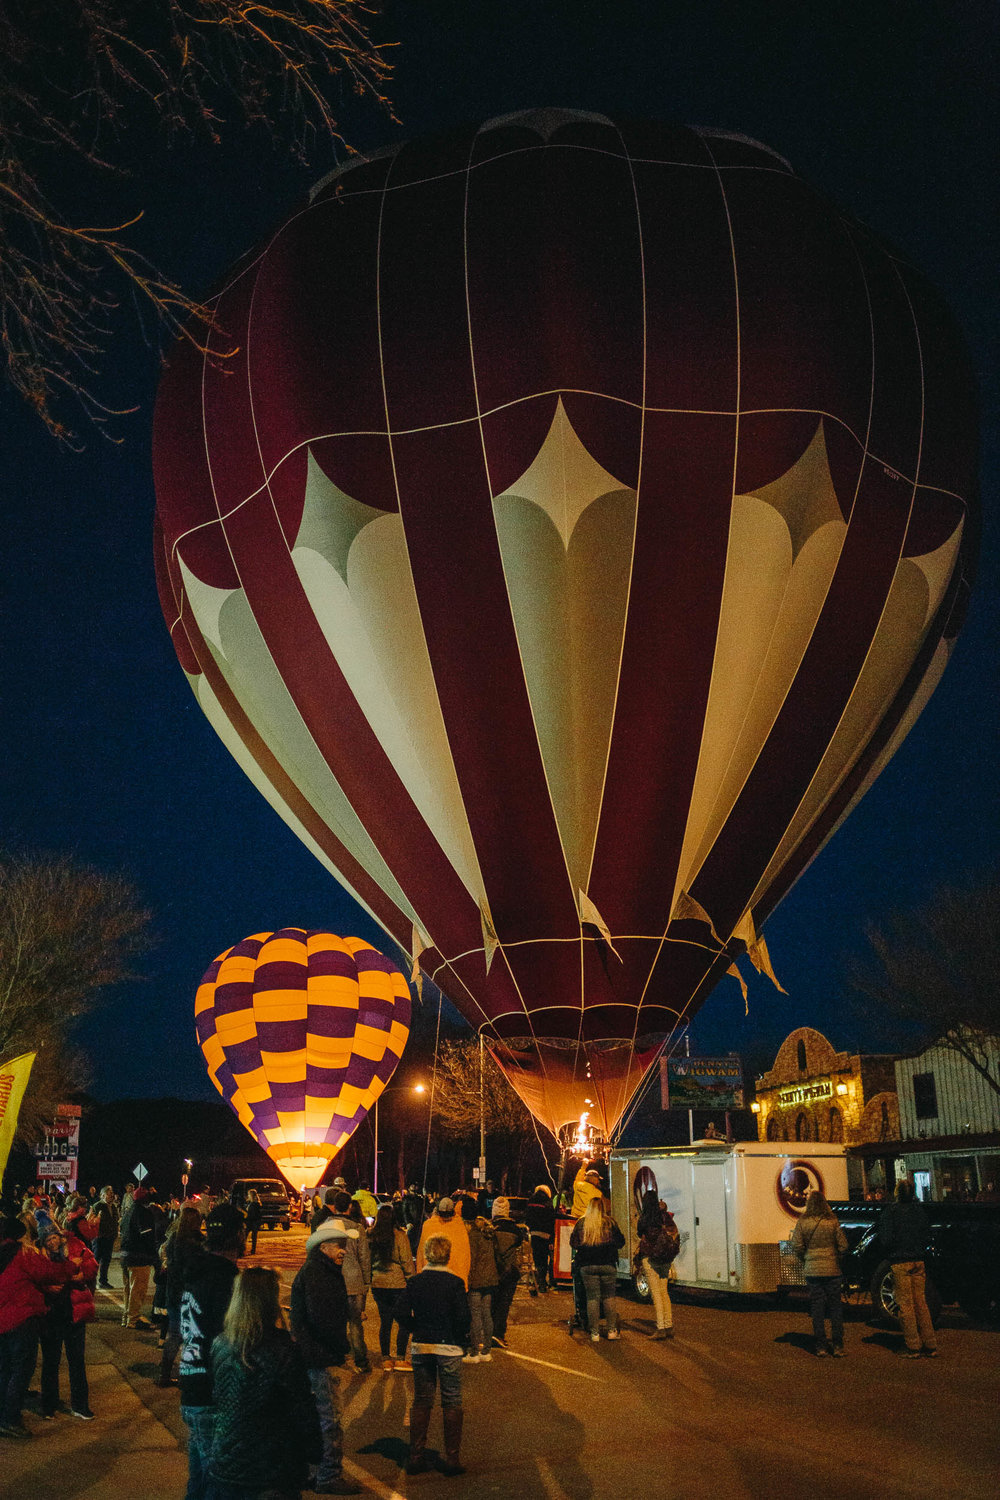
{"points": [[814, 1093]]}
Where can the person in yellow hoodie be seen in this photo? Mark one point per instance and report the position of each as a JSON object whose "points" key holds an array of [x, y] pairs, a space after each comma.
{"points": [[444, 1221], [586, 1187]]}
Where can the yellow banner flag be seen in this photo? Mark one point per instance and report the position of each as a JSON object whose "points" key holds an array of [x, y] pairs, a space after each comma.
{"points": [[13, 1082]]}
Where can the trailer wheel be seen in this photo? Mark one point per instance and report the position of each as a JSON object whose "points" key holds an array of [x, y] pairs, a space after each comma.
{"points": [[883, 1292], [640, 1287]]}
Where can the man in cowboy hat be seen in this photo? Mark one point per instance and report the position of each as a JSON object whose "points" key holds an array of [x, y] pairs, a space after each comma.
{"points": [[320, 1310]]}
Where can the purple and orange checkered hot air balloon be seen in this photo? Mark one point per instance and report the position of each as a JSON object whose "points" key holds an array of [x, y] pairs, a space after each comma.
{"points": [[586, 516], [301, 1032]]}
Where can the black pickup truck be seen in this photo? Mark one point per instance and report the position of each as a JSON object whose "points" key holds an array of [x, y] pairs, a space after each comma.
{"points": [[963, 1265]]}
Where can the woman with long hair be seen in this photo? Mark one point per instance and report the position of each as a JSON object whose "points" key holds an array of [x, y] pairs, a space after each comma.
{"points": [[658, 1244], [597, 1240], [184, 1242], [266, 1427], [819, 1241], [392, 1267]]}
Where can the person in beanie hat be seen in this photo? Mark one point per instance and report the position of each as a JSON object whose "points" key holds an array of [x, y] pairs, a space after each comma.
{"points": [[319, 1317], [540, 1217], [434, 1309], [510, 1237], [70, 1308], [25, 1277], [444, 1221]]}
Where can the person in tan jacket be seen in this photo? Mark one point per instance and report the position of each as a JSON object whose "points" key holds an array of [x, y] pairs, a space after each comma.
{"points": [[819, 1241]]}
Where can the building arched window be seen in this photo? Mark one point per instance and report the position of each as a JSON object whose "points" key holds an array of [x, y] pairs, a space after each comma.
{"points": [[836, 1124], [772, 1129], [802, 1055], [802, 1127]]}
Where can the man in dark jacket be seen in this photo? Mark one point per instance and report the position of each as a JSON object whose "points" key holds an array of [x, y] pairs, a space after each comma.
{"points": [[139, 1249], [204, 1301], [434, 1308], [320, 1310], [105, 1215], [905, 1232]]}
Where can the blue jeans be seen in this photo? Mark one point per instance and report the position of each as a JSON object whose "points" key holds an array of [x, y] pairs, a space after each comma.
{"points": [[356, 1330], [200, 1422], [599, 1286], [326, 1394], [428, 1369], [18, 1350], [824, 1301]]}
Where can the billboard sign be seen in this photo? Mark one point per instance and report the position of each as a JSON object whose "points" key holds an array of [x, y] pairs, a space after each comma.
{"points": [[58, 1153], [701, 1083]]}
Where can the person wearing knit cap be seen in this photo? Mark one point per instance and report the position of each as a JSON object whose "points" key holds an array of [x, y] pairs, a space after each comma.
{"points": [[510, 1237]]}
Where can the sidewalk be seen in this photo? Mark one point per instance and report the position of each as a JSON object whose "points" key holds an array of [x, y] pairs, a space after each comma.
{"points": [[133, 1450]]}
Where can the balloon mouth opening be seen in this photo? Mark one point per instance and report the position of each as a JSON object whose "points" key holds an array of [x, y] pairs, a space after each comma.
{"points": [[302, 1171]]}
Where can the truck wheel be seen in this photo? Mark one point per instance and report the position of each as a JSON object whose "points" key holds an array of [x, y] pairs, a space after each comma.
{"points": [[884, 1296], [286, 1223], [640, 1287]]}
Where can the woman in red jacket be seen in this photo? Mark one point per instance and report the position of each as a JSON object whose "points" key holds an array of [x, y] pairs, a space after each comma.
{"points": [[24, 1276], [70, 1309]]}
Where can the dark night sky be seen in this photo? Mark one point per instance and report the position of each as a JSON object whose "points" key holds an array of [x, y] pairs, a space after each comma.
{"points": [[888, 108]]}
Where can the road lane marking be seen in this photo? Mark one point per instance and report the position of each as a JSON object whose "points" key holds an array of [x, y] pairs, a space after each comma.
{"points": [[370, 1482], [566, 1369]]}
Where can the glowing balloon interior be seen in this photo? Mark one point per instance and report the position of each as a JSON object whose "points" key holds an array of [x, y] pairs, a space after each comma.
{"points": [[301, 1032], [587, 516]]}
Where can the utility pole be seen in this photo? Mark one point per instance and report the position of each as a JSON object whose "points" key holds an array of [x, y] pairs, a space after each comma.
{"points": [[482, 1118]]}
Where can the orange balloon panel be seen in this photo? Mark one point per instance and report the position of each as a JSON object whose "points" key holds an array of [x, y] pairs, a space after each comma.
{"points": [[301, 1032]]}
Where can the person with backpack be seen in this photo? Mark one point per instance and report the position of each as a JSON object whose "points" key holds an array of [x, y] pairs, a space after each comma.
{"points": [[509, 1239], [483, 1280], [819, 1241], [659, 1242]]}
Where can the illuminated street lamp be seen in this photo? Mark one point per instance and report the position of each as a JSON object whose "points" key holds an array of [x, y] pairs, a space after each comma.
{"points": [[416, 1088]]}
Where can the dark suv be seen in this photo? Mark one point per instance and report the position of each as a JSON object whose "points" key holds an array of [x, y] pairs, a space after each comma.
{"points": [[273, 1195], [963, 1264]]}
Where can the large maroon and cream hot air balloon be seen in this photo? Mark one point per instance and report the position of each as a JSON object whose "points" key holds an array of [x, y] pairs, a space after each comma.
{"points": [[580, 528], [301, 1032]]}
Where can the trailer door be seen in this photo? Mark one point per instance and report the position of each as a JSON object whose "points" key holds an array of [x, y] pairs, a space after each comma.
{"points": [[711, 1234]]}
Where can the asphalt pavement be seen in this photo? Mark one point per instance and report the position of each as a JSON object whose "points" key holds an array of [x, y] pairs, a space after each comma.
{"points": [[735, 1407]]}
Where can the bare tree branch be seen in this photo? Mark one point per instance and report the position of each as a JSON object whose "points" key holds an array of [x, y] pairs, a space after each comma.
{"points": [[74, 76]]}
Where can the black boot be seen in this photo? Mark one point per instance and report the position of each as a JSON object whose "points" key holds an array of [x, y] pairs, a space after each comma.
{"points": [[452, 1417], [417, 1462]]}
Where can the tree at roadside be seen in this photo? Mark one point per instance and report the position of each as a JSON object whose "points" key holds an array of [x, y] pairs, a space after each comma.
{"points": [[934, 969], [462, 1092], [67, 934]]}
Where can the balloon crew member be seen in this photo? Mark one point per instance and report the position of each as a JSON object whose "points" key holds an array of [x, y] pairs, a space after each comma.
{"points": [[204, 1300], [320, 1312], [434, 1308]]}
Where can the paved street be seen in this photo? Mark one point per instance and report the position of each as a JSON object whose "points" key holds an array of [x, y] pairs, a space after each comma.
{"points": [[734, 1407]]}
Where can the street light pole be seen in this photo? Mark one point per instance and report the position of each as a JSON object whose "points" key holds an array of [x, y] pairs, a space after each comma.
{"points": [[482, 1119], [375, 1173]]}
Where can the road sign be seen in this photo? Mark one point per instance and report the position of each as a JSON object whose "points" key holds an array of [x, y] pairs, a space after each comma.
{"points": [[139, 1172]]}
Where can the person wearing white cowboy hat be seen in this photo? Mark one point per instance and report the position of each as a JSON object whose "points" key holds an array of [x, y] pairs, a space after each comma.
{"points": [[319, 1314]]}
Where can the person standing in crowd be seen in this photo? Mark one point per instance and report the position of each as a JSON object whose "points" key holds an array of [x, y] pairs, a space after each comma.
{"points": [[204, 1300], [266, 1429], [597, 1240], [434, 1308], [184, 1244], [105, 1215], [391, 1267], [254, 1218], [540, 1217], [446, 1223], [325, 1210], [320, 1312], [659, 1242], [905, 1232], [509, 1239], [139, 1251], [70, 1307], [819, 1242], [369, 1204], [357, 1278], [25, 1277], [483, 1280]]}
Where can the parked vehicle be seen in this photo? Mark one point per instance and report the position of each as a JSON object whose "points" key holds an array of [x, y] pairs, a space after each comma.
{"points": [[735, 1205], [274, 1205], [963, 1265]]}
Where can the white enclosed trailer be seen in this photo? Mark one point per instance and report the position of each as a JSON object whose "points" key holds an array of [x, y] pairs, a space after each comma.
{"points": [[735, 1206]]}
